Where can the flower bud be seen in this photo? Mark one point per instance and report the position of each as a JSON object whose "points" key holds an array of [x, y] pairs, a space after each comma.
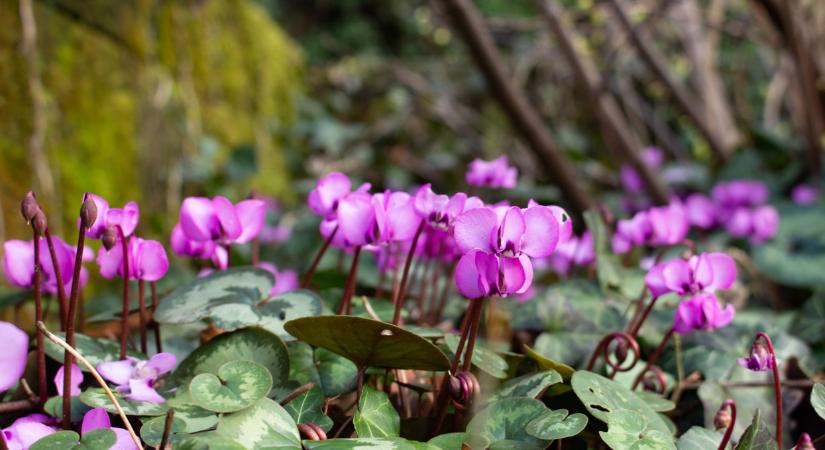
{"points": [[722, 419], [88, 212], [312, 432], [109, 238], [621, 351], [40, 223], [29, 207], [759, 360], [804, 442]]}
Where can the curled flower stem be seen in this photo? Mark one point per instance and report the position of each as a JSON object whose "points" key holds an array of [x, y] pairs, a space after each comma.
{"points": [[345, 305], [603, 348], [124, 320], [71, 318], [153, 287], [777, 388], [167, 428], [38, 314], [314, 265], [96, 375], [61, 290], [398, 298], [142, 308], [634, 329], [653, 357], [729, 431]]}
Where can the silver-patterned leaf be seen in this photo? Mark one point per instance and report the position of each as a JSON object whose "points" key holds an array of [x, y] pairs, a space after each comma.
{"points": [[531, 385], [557, 424], [238, 385], [96, 350], [265, 424], [507, 419], [97, 398], [484, 359], [698, 438]]}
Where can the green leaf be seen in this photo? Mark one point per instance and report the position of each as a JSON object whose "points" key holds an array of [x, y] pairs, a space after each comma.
{"points": [[193, 301], [248, 344], [818, 399], [367, 444], [556, 424], [757, 436], [208, 441], [376, 417], [796, 254], [450, 441], [97, 398], [288, 306], [54, 408], [369, 343], [698, 438], [630, 429], [238, 384], [338, 374], [810, 318], [546, 363], [96, 350], [484, 359], [196, 418], [306, 408], [601, 396], [507, 419], [265, 424], [99, 439], [656, 401], [151, 432], [531, 385]]}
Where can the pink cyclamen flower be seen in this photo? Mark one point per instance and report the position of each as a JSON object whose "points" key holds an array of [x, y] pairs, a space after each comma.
{"points": [[183, 246], [705, 272], [25, 431], [396, 219], [479, 274], [137, 377], [495, 174], [323, 200], [98, 418], [631, 232], [737, 193], [217, 219], [126, 218], [662, 225], [18, 264], [631, 180], [147, 260], [759, 360], [757, 224], [701, 211], [13, 356], [439, 210], [77, 379], [701, 312], [285, 281], [575, 252], [803, 194]]}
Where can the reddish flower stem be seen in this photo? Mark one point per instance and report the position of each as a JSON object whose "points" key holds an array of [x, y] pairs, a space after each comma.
{"points": [[142, 309], [777, 388], [398, 298], [38, 314], [603, 348], [729, 431], [71, 318], [61, 290], [318, 256], [653, 357], [634, 329], [153, 286], [256, 251], [345, 305], [3, 445], [124, 320], [445, 292], [471, 338]]}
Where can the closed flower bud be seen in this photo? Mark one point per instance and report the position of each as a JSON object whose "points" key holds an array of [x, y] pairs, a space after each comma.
{"points": [[109, 238], [722, 419], [29, 207], [88, 212], [40, 223], [804, 442]]}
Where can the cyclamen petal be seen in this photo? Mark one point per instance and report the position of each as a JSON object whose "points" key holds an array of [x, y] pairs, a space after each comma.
{"points": [[118, 372], [18, 263], [356, 219], [470, 275], [476, 229], [541, 232], [230, 224], [323, 200], [198, 219], [162, 362], [94, 419], [511, 229], [142, 390], [151, 259], [765, 224], [13, 356], [515, 275], [252, 216], [126, 218], [77, 379]]}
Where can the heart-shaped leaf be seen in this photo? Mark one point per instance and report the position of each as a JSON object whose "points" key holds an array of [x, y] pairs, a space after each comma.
{"points": [[238, 384], [151, 432], [546, 363], [54, 408], [99, 439], [96, 350], [192, 301], [248, 344], [629, 429], [556, 424], [97, 398], [333, 373], [484, 359], [271, 315], [507, 419], [656, 401], [376, 417], [208, 441], [451, 441], [601, 396], [531, 385], [369, 343], [698, 438], [306, 408], [263, 425], [818, 399], [368, 444]]}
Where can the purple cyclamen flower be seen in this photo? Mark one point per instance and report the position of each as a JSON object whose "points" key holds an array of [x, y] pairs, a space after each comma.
{"points": [[631, 180], [13, 356], [217, 219], [184, 246], [701, 211], [77, 379], [701, 312], [25, 431], [323, 200], [479, 274], [285, 281], [396, 219], [441, 210], [759, 360], [803, 194], [18, 264], [663, 225], [631, 232], [98, 418], [137, 377], [495, 174], [126, 218], [705, 272], [147, 260], [737, 193], [575, 252], [758, 224]]}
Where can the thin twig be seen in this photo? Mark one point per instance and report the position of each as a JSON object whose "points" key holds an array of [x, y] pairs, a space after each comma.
{"points": [[297, 392], [91, 368]]}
